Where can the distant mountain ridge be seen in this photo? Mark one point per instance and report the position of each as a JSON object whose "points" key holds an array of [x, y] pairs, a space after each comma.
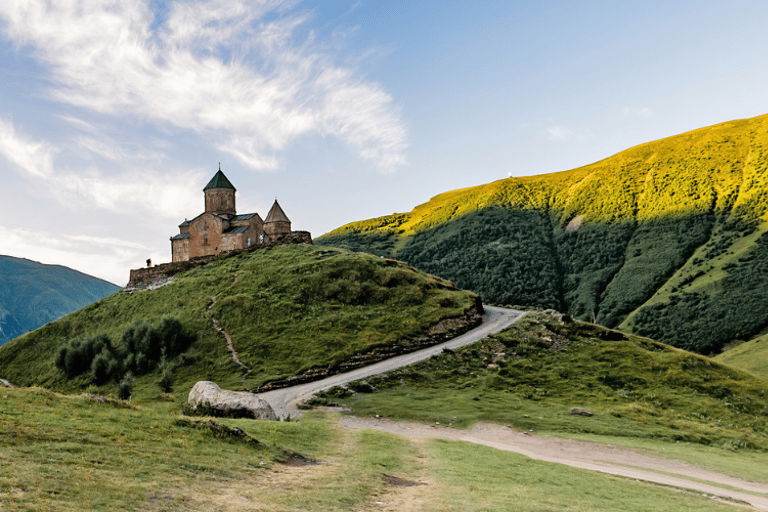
{"points": [[666, 239], [33, 294]]}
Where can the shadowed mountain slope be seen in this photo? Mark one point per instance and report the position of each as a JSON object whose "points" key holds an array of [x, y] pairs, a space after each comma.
{"points": [[666, 239], [33, 294]]}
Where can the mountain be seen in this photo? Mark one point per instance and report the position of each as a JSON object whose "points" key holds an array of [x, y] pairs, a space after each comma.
{"points": [[284, 311], [33, 294], [666, 239]]}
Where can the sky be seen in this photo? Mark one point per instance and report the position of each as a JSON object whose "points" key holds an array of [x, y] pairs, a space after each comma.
{"points": [[114, 114]]}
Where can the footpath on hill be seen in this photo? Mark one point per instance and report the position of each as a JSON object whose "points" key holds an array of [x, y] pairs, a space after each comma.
{"points": [[285, 401]]}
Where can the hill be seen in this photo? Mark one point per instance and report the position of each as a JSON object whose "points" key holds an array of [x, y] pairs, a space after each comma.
{"points": [[751, 356], [666, 239], [531, 375], [286, 311], [33, 294]]}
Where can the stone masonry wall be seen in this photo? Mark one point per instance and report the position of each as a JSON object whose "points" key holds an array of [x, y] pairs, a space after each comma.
{"points": [[142, 278]]}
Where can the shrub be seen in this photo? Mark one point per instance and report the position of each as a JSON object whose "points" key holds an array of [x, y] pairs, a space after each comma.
{"points": [[125, 387], [166, 381]]}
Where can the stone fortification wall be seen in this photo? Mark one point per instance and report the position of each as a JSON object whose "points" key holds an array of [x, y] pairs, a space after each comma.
{"points": [[145, 278]]}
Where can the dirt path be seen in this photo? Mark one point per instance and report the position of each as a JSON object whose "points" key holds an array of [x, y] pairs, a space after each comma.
{"points": [[284, 401], [227, 337], [585, 455]]}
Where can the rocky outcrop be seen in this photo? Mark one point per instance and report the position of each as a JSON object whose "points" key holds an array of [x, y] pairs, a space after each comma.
{"points": [[209, 398]]}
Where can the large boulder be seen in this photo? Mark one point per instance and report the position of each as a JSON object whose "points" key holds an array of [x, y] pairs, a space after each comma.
{"points": [[209, 397]]}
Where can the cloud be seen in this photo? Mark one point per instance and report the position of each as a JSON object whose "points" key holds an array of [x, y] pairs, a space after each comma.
{"points": [[36, 158], [558, 132], [107, 258], [169, 194], [235, 70]]}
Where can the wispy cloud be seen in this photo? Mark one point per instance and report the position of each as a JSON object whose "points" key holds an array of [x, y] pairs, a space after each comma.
{"points": [[558, 132], [274, 87], [35, 158], [168, 194]]}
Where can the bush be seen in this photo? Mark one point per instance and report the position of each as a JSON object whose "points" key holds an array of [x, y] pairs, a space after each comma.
{"points": [[166, 381], [125, 387], [143, 347], [77, 356]]}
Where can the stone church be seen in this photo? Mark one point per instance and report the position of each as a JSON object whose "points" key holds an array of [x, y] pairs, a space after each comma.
{"points": [[219, 228]]}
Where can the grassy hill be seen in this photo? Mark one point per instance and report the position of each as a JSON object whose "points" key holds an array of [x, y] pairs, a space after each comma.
{"points": [[531, 375], [33, 294], [666, 239], [287, 310], [751, 356]]}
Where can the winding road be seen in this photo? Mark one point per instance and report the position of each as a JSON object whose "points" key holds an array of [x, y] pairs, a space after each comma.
{"points": [[285, 401], [593, 456]]}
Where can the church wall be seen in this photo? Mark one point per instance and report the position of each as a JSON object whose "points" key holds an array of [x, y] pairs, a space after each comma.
{"points": [[205, 235], [232, 241], [275, 229], [220, 201], [180, 250]]}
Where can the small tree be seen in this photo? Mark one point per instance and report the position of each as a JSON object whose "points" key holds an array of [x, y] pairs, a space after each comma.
{"points": [[125, 387], [166, 381]]}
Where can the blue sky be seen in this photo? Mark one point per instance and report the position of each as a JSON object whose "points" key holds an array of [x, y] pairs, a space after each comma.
{"points": [[115, 114]]}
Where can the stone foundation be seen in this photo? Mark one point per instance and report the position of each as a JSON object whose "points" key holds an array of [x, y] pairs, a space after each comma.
{"points": [[153, 277]]}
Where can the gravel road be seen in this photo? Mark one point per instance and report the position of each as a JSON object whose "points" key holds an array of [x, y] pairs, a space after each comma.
{"points": [[615, 460], [581, 454], [284, 401]]}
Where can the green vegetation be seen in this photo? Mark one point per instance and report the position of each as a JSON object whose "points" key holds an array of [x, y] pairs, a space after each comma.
{"points": [[751, 356], [63, 453], [287, 309], [141, 350], [479, 478], [664, 239], [530, 376], [32, 294]]}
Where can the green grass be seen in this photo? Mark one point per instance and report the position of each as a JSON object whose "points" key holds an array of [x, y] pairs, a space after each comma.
{"points": [[70, 453], [751, 356], [677, 223], [530, 376], [478, 478], [287, 309]]}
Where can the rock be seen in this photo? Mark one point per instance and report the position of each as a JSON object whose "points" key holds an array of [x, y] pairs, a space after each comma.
{"points": [[5, 383], [230, 403], [578, 411]]}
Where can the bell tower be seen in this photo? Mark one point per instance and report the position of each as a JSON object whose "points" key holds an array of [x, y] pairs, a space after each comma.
{"points": [[219, 195]]}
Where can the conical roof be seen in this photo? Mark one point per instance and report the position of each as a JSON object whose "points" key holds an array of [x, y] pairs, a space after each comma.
{"points": [[219, 181], [276, 214]]}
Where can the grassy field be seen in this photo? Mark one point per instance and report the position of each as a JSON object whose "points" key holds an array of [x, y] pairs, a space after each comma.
{"points": [[532, 374], [667, 239], [287, 309], [71, 453]]}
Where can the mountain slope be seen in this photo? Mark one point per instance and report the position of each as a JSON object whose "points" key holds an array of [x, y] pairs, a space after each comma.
{"points": [[33, 294], [666, 239], [286, 310]]}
